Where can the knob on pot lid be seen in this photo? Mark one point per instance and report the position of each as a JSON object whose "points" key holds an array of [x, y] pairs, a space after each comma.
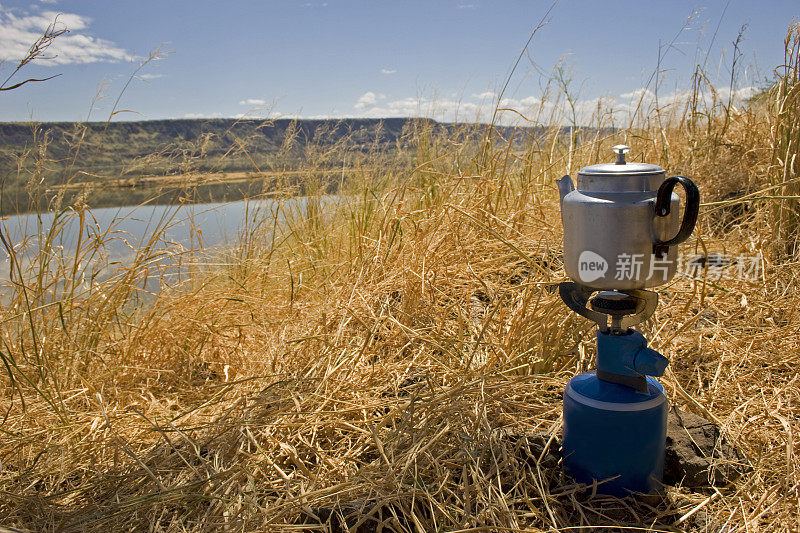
{"points": [[620, 167], [620, 176]]}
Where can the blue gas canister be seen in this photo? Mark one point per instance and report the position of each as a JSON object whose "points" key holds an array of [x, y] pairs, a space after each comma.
{"points": [[616, 433]]}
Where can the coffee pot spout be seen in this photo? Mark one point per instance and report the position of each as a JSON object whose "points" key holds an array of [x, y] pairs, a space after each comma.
{"points": [[565, 186]]}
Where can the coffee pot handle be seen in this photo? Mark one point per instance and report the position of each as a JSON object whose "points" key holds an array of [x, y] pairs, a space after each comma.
{"points": [[664, 202]]}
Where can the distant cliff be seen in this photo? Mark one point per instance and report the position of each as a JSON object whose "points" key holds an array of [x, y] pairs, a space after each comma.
{"points": [[38, 157], [122, 163], [120, 143]]}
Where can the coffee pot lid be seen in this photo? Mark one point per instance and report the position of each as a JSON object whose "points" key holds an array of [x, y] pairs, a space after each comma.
{"points": [[620, 167]]}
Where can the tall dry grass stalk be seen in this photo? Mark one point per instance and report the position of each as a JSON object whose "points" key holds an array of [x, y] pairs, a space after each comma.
{"points": [[381, 351], [784, 109]]}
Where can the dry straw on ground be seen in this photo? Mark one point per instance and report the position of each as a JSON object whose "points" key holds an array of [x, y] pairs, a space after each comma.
{"points": [[381, 357]]}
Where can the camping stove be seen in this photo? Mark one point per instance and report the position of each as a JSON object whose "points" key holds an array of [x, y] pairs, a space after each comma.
{"points": [[615, 417]]}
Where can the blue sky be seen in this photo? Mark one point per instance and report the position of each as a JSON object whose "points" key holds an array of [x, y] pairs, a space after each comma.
{"points": [[445, 59]]}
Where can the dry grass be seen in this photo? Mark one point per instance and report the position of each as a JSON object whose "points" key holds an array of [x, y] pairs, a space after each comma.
{"points": [[384, 355]]}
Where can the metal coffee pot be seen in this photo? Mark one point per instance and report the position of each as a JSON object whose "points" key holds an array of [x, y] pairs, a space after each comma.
{"points": [[622, 225]]}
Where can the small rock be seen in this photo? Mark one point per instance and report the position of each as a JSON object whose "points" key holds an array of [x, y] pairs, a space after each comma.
{"points": [[697, 455], [405, 388], [532, 446], [345, 516]]}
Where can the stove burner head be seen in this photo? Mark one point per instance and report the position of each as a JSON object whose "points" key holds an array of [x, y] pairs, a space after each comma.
{"points": [[616, 304], [625, 308]]}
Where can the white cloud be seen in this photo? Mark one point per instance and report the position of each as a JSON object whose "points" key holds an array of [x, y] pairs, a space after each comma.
{"points": [[479, 108], [253, 101], [527, 110], [742, 93], [638, 93], [202, 115], [520, 102], [150, 76], [297, 115], [644, 100], [388, 71], [18, 33], [439, 109], [367, 100]]}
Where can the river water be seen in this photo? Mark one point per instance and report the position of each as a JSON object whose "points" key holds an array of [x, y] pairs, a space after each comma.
{"points": [[206, 229]]}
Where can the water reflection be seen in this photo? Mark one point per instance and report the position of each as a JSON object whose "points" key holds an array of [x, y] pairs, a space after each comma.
{"points": [[100, 242]]}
